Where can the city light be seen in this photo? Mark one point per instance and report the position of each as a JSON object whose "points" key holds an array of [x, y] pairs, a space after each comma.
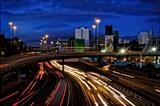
{"points": [[14, 30], [10, 24], [51, 42], [153, 49], [93, 26], [46, 36], [97, 20], [14, 27], [122, 51], [94, 34]]}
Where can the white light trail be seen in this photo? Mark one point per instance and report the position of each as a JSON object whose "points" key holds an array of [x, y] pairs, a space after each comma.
{"points": [[103, 102]]}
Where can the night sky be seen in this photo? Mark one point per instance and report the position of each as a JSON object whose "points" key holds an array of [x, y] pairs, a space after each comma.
{"points": [[59, 18]]}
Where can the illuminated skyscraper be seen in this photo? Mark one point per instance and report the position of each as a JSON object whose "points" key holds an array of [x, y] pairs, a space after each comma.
{"points": [[144, 38], [83, 33]]}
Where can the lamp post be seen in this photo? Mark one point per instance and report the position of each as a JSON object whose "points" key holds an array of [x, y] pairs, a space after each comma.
{"points": [[14, 31], [10, 25], [97, 21], [140, 61], [94, 34], [46, 38], [51, 42], [154, 50], [122, 52]]}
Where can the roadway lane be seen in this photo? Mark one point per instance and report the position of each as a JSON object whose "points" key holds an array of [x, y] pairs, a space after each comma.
{"points": [[142, 89], [25, 90], [96, 91], [59, 90], [65, 91], [56, 88]]}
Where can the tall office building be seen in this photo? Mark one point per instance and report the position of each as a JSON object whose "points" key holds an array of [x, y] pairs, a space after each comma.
{"points": [[116, 40], [144, 38], [111, 39], [108, 30], [83, 33]]}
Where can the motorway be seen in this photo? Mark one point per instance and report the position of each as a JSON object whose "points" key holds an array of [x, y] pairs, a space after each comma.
{"points": [[48, 87], [145, 87], [73, 86], [96, 87]]}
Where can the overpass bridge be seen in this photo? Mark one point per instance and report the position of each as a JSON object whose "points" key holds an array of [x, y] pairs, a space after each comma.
{"points": [[23, 60]]}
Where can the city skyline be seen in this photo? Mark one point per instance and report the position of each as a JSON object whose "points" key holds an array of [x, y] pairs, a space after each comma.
{"points": [[34, 18]]}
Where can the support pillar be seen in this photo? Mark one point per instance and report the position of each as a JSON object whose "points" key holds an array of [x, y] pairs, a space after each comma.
{"points": [[99, 60], [156, 59], [63, 65]]}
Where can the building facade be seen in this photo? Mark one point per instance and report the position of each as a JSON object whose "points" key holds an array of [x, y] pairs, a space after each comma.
{"points": [[144, 38], [83, 33], [111, 39]]}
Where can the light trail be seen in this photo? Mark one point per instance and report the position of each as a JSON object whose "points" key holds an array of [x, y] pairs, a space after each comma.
{"points": [[95, 102], [116, 72], [32, 86], [32, 104], [103, 102], [157, 90], [48, 65], [24, 98], [123, 96], [88, 78], [119, 100], [52, 94], [63, 95], [11, 95], [92, 85], [126, 75], [69, 92]]}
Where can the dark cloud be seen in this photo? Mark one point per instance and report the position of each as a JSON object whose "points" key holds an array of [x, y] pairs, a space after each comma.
{"points": [[40, 16], [134, 7]]}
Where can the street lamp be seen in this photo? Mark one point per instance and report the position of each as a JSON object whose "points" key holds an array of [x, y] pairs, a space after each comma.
{"points": [[153, 49], [122, 51], [14, 30], [45, 42], [10, 25], [97, 21], [51, 42], [140, 61], [46, 36], [94, 34], [40, 43]]}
